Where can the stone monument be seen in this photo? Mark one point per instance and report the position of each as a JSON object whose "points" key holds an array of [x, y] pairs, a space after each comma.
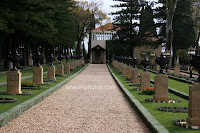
{"points": [[144, 80], [60, 66], [194, 105], [51, 68], [177, 70], [67, 65], [134, 72], [14, 76], [161, 88], [145, 75], [161, 81], [38, 75], [193, 118], [37, 70]]}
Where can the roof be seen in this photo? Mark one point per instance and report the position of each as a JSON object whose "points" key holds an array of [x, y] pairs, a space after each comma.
{"points": [[98, 46], [149, 37], [106, 27]]}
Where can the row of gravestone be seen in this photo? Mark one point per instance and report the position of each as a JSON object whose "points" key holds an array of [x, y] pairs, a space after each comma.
{"points": [[161, 89], [14, 76]]}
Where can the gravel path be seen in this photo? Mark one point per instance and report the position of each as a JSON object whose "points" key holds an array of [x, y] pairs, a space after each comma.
{"points": [[90, 103]]}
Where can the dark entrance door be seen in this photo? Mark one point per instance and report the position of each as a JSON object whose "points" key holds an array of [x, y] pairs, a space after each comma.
{"points": [[98, 55]]}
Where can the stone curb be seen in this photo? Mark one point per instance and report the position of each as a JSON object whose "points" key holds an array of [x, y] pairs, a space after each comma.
{"points": [[19, 109], [151, 122], [23, 79]]}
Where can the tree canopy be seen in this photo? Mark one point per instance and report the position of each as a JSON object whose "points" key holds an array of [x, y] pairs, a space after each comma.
{"points": [[86, 14], [39, 21]]}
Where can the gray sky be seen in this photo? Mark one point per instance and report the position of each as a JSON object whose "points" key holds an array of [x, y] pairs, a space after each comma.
{"points": [[106, 6]]}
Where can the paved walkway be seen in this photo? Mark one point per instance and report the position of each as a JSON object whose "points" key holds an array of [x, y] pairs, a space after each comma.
{"points": [[90, 103]]}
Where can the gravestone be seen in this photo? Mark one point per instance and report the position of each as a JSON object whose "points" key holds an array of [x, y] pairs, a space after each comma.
{"points": [[194, 105], [144, 80], [128, 71], [177, 71], [134, 75], [67, 67], [60, 69], [75, 64], [124, 69], [38, 75], [30, 62], [161, 88], [120, 67], [158, 67], [51, 72], [71, 65], [79, 62], [14, 82]]}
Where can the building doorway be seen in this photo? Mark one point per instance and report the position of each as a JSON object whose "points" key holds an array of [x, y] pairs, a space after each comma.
{"points": [[98, 55]]}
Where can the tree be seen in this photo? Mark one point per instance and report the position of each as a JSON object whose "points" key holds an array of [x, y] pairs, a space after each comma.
{"points": [[147, 29], [86, 15], [147, 23], [170, 6], [196, 18], [160, 16], [126, 20], [63, 20], [38, 22], [183, 25]]}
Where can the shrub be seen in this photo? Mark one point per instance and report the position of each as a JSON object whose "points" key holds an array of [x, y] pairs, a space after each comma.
{"points": [[148, 91], [29, 84]]}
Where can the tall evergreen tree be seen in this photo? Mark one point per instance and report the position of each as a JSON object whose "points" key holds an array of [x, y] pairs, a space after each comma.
{"points": [[183, 25], [196, 18], [126, 20], [146, 21], [160, 16]]}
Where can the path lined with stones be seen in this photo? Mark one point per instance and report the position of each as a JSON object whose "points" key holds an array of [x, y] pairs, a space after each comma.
{"points": [[90, 103]]}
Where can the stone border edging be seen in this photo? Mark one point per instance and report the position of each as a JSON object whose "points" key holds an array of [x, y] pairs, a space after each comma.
{"points": [[19, 109], [23, 79], [151, 122]]}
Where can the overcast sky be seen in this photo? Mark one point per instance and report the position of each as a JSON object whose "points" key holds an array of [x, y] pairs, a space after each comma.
{"points": [[106, 6]]}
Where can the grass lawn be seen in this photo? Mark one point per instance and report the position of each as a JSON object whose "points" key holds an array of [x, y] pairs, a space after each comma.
{"points": [[6, 106], [25, 72], [180, 86], [165, 118]]}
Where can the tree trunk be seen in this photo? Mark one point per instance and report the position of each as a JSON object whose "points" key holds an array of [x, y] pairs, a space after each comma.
{"points": [[169, 31], [83, 50], [197, 42], [7, 63], [78, 47]]}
